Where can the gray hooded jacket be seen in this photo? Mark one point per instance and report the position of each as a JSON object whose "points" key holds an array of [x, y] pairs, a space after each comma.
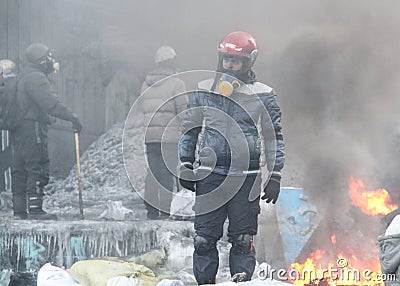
{"points": [[389, 254], [161, 100]]}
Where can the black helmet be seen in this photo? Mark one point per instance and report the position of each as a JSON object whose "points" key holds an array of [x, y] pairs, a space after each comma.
{"points": [[42, 56], [36, 52]]}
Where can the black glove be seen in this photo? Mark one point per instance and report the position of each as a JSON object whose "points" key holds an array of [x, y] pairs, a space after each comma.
{"points": [[187, 177], [272, 189], [76, 125]]}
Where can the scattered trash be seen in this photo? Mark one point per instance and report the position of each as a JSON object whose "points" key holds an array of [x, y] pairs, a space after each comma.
{"points": [[239, 277], [115, 211], [182, 204]]}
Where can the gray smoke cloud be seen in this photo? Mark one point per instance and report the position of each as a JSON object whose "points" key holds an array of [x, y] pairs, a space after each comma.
{"points": [[333, 64], [340, 84]]}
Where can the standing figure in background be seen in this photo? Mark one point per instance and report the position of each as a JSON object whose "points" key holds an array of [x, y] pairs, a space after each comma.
{"points": [[237, 117], [161, 102], [37, 101], [7, 77]]}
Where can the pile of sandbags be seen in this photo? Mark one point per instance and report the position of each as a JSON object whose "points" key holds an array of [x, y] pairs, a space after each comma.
{"points": [[111, 271]]}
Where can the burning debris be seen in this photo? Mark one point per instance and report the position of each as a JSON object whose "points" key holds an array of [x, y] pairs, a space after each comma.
{"points": [[342, 250], [370, 202]]}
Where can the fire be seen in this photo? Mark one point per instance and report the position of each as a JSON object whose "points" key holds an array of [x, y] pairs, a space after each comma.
{"points": [[346, 271], [308, 272], [371, 202], [349, 269]]}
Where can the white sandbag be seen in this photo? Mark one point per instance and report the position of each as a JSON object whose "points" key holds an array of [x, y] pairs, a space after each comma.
{"points": [[98, 272], [50, 275]]}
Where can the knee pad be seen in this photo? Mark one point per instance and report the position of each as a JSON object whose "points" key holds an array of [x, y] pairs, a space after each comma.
{"points": [[242, 244], [203, 245]]}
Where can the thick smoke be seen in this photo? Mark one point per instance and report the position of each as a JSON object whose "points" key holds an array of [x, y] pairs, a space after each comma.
{"points": [[339, 83], [332, 64]]}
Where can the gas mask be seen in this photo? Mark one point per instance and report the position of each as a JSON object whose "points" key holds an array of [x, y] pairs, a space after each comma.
{"points": [[50, 64], [227, 84]]}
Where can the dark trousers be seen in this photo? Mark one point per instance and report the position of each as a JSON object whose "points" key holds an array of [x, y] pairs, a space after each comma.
{"points": [[159, 182], [30, 170], [219, 197]]}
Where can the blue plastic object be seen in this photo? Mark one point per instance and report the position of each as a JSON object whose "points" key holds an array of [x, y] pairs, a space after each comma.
{"points": [[297, 220]]}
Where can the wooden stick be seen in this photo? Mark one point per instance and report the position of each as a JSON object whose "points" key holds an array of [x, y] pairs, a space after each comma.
{"points": [[78, 165]]}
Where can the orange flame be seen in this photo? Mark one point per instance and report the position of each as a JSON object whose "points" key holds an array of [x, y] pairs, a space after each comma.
{"points": [[346, 271], [371, 202], [308, 272]]}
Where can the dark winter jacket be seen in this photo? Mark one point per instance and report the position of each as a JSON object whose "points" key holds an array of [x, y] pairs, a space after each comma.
{"points": [[2, 91], [389, 256], [230, 129], [161, 100], [38, 99]]}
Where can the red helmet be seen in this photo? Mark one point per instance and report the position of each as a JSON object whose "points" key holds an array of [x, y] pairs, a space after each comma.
{"points": [[240, 44]]}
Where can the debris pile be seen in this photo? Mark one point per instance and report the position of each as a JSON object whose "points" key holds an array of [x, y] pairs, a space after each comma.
{"points": [[104, 179]]}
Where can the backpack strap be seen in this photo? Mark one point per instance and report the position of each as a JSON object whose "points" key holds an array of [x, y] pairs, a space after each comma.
{"points": [[19, 77]]}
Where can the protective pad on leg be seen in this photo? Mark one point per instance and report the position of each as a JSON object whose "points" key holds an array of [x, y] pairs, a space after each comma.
{"points": [[203, 246], [242, 256], [205, 260], [242, 244]]}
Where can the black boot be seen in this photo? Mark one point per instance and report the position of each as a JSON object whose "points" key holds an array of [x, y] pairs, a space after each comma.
{"points": [[20, 215], [152, 212], [152, 215], [164, 215], [19, 205]]}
